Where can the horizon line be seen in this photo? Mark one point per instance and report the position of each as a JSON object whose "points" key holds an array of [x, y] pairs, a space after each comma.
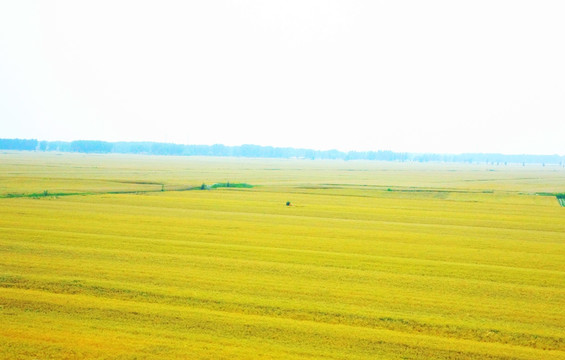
{"points": [[293, 147]]}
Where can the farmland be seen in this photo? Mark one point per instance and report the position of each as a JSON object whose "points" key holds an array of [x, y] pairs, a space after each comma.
{"points": [[114, 256]]}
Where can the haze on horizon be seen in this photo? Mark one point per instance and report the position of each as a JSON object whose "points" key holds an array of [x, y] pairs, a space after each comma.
{"points": [[434, 76]]}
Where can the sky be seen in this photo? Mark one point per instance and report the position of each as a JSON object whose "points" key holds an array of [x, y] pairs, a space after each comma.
{"points": [[415, 76]]}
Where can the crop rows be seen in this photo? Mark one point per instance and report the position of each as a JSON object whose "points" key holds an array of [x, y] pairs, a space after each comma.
{"points": [[345, 272]]}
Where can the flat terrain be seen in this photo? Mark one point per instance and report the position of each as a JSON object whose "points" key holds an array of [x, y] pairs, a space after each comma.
{"points": [[109, 256]]}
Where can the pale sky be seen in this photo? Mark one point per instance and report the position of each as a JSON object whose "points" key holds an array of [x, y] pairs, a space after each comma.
{"points": [[415, 76]]}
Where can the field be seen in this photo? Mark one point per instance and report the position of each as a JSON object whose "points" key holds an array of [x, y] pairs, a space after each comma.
{"points": [[124, 257]]}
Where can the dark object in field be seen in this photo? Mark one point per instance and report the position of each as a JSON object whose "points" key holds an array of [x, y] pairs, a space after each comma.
{"points": [[288, 203]]}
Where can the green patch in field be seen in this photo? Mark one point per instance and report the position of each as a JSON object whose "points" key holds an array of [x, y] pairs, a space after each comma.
{"points": [[561, 199], [559, 196], [231, 185], [42, 194]]}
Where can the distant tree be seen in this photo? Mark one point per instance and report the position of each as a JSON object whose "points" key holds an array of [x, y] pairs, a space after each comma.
{"points": [[91, 146], [18, 144]]}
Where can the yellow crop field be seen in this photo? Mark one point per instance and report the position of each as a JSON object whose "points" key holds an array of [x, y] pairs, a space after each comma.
{"points": [[125, 257]]}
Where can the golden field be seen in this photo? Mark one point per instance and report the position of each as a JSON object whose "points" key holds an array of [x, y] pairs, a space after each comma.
{"points": [[372, 260]]}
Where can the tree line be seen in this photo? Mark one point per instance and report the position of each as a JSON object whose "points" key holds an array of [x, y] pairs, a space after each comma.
{"points": [[257, 151]]}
